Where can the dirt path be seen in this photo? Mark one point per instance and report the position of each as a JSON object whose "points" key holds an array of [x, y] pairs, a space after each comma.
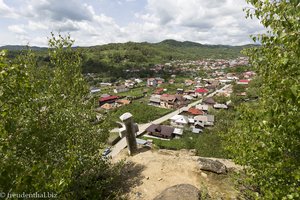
{"points": [[161, 169]]}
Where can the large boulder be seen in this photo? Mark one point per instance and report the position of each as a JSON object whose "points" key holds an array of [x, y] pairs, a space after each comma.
{"points": [[212, 165], [180, 192]]}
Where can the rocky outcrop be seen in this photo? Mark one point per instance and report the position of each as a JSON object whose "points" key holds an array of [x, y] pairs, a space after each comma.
{"points": [[180, 192], [212, 165]]}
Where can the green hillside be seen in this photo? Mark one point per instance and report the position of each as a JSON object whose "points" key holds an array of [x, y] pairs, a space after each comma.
{"points": [[142, 55], [111, 60]]}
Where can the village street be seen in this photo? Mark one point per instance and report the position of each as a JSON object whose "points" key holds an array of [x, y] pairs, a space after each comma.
{"points": [[122, 143]]}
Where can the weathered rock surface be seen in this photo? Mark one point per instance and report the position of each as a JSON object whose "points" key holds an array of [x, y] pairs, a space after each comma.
{"points": [[212, 165], [180, 192]]}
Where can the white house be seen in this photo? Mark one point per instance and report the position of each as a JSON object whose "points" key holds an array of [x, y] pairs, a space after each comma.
{"points": [[202, 107], [95, 90], [206, 119], [121, 88], [220, 106], [181, 120]]}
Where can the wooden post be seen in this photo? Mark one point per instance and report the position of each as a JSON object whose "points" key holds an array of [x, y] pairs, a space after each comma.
{"points": [[130, 132]]}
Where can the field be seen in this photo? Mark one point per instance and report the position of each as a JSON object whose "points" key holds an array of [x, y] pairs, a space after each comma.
{"points": [[142, 113]]}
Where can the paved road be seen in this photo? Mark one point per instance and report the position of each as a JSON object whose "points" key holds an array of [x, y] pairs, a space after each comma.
{"points": [[122, 143]]}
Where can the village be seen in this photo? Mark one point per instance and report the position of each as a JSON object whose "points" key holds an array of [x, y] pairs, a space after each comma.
{"points": [[180, 103]]}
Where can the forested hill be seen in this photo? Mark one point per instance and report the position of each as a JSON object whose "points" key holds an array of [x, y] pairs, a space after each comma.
{"points": [[133, 55], [116, 57], [166, 50]]}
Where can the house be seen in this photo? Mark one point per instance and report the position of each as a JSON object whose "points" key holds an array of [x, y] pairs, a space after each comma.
{"points": [[137, 80], [188, 82], [224, 81], [107, 106], [220, 106], [160, 81], [202, 107], [180, 120], [104, 95], [172, 101], [248, 74], [171, 81], [129, 83], [95, 90], [159, 91], [155, 100], [123, 102], [212, 84], [191, 93], [188, 97], [196, 130], [151, 82], [105, 84], [209, 101], [243, 82], [195, 111], [161, 131], [201, 91], [121, 88], [179, 91], [206, 119], [109, 99], [178, 132]]}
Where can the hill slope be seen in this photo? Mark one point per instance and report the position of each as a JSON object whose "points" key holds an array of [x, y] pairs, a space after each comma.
{"points": [[111, 59]]}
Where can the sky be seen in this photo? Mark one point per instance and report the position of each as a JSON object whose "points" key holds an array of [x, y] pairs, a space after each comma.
{"points": [[95, 22]]}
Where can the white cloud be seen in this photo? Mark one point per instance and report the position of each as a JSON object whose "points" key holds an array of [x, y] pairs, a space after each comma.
{"points": [[6, 11], [19, 29], [212, 22]]}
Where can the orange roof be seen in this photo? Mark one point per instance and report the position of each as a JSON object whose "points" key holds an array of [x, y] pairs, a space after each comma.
{"points": [[195, 111], [123, 101], [107, 106]]}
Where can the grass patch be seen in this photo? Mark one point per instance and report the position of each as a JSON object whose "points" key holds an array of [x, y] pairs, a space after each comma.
{"points": [[206, 144], [113, 138], [134, 92], [142, 113]]}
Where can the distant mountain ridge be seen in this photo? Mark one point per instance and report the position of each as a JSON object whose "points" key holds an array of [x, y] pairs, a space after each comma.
{"points": [[167, 42], [21, 47]]}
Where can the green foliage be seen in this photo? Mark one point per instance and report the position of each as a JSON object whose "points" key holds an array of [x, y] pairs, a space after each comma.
{"points": [[207, 144], [266, 137], [48, 142], [221, 99]]}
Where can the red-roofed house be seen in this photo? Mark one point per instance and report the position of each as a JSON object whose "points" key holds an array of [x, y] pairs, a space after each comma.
{"points": [[243, 82], [159, 91], [195, 111], [109, 99], [201, 91]]}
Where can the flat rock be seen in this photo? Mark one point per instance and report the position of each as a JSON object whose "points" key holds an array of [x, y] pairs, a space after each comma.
{"points": [[210, 165], [180, 192]]}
